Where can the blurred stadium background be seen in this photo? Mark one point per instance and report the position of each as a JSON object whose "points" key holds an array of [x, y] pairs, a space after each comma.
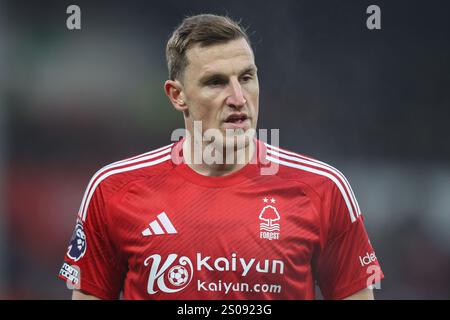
{"points": [[374, 104]]}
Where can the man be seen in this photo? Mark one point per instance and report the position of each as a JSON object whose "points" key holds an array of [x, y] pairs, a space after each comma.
{"points": [[164, 225]]}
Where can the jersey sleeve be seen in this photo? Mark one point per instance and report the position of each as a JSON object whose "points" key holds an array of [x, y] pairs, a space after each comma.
{"points": [[90, 263], [347, 262]]}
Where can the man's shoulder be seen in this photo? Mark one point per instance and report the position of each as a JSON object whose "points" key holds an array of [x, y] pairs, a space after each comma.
{"points": [[119, 173], [323, 178], [303, 168], [113, 177]]}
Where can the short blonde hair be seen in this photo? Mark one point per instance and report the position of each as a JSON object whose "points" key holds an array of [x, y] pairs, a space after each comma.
{"points": [[203, 29]]}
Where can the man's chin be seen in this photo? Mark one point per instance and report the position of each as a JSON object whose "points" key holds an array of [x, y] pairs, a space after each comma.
{"points": [[234, 132], [230, 138], [239, 142], [239, 139]]}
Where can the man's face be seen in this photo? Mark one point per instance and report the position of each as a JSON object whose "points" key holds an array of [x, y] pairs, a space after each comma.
{"points": [[220, 86]]}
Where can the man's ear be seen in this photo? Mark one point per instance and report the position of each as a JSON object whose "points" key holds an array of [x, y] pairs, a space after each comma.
{"points": [[174, 90]]}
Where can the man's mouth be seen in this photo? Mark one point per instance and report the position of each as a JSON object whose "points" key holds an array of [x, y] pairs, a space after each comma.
{"points": [[237, 121], [236, 118]]}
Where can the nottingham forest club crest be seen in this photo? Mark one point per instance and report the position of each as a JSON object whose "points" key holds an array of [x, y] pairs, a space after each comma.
{"points": [[269, 229]]}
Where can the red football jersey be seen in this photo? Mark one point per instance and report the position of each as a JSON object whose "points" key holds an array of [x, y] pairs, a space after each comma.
{"points": [[150, 227]]}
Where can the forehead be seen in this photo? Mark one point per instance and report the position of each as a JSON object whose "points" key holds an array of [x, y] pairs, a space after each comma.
{"points": [[226, 57]]}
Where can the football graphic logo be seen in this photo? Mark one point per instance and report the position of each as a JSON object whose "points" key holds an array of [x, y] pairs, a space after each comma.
{"points": [[178, 275]]}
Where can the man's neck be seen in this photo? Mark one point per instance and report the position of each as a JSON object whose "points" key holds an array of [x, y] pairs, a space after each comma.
{"points": [[237, 159]]}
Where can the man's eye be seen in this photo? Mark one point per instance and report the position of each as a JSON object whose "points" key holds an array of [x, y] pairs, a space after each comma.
{"points": [[215, 82], [246, 78]]}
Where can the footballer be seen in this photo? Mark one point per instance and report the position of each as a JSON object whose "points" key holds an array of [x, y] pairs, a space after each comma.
{"points": [[225, 218]]}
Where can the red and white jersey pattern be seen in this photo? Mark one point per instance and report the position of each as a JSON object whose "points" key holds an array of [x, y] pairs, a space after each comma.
{"points": [[150, 227]]}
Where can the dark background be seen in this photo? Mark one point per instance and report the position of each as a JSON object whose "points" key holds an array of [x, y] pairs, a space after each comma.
{"points": [[373, 103]]}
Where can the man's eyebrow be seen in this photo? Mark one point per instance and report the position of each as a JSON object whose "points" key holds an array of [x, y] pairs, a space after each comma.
{"points": [[213, 75], [251, 69]]}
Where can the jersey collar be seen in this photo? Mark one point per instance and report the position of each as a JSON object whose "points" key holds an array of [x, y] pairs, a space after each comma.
{"points": [[249, 172]]}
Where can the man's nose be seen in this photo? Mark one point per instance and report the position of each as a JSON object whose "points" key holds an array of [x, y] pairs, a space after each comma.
{"points": [[236, 98]]}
